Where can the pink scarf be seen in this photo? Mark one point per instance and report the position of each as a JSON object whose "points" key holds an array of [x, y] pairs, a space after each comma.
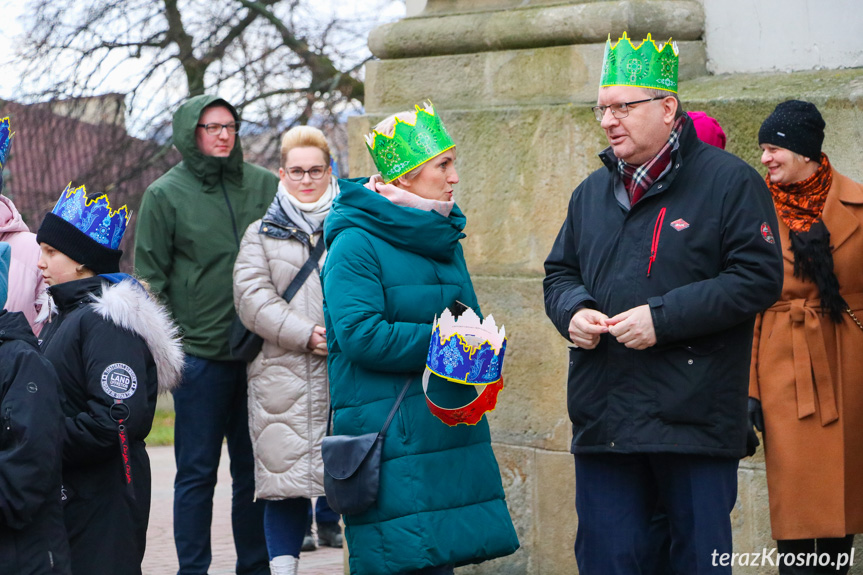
{"points": [[406, 199]]}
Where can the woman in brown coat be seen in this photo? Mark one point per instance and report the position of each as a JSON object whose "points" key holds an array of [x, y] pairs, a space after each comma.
{"points": [[807, 368]]}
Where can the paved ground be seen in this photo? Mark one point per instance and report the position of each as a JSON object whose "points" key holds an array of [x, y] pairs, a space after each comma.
{"points": [[161, 558]]}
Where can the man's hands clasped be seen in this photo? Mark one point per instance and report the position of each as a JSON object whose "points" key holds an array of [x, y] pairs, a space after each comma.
{"points": [[633, 328]]}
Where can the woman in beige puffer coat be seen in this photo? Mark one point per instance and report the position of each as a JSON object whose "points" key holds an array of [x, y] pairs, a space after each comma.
{"points": [[288, 389]]}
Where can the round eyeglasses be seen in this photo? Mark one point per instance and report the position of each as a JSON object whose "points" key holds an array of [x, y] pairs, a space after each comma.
{"points": [[315, 172], [621, 110], [216, 129]]}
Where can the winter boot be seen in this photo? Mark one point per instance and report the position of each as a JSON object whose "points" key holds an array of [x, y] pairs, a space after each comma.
{"points": [[284, 565], [308, 541], [329, 534]]}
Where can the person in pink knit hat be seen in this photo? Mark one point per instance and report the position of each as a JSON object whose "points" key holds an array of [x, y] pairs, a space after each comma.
{"points": [[708, 129], [26, 287]]}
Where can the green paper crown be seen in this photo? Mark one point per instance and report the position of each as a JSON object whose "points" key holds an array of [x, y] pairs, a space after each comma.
{"points": [[411, 145], [648, 66]]}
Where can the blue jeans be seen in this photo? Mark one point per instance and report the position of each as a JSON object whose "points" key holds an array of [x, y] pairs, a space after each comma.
{"points": [[210, 405], [616, 497], [285, 525], [323, 514]]}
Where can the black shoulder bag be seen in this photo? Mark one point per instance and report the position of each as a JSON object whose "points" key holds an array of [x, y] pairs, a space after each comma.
{"points": [[352, 467], [245, 345]]}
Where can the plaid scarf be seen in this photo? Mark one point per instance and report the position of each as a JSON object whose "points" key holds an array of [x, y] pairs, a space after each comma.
{"points": [[638, 179], [800, 204]]}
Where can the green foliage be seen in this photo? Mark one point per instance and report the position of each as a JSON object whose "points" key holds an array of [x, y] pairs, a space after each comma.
{"points": [[162, 432]]}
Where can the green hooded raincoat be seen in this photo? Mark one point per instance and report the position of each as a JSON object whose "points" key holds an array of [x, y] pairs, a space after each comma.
{"points": [[388, 271], [189, 230]]}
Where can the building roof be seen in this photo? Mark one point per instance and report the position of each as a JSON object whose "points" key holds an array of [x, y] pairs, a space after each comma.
{"points": [[50, 150]]}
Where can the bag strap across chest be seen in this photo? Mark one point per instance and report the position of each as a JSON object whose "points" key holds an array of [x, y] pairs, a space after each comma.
{"points": [[304, 272]]}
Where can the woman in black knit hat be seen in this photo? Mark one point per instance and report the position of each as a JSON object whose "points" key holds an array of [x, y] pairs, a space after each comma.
{"points": [[114, 347], [806, 386]]}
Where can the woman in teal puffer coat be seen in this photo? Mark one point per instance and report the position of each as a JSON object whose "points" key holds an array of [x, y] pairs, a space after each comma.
{"points": [[394, 261]]}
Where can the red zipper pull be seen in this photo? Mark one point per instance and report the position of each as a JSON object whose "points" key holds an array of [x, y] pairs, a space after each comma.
{"points": [[654, 245]]}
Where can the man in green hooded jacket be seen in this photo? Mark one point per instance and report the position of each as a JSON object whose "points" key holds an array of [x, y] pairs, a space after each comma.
{"points": [[188, 235]]}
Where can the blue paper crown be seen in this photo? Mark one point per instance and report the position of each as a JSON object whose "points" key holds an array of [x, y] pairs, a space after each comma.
{"points": [[456, 360], [5, 141], [93, 217]]}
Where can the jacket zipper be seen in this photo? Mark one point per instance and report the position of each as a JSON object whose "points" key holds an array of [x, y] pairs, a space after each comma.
{"points": [[654, 245], [7, 419], [230, 210]]}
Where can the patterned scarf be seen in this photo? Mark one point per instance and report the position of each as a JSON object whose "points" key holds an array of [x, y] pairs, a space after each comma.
{"points": [[800, 205], [638, 179]]}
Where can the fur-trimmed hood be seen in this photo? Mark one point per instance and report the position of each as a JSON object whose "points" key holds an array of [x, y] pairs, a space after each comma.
{"points": [[128, 305]]}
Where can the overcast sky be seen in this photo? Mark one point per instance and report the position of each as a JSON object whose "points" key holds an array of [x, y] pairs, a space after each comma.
{"points": [[10, 27]]}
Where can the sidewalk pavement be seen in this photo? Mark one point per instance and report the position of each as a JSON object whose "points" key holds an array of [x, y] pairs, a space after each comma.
{"points": [[161, 557]]}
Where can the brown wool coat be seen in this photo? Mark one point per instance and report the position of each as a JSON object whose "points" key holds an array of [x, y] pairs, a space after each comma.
{"points": [[808, 373]]}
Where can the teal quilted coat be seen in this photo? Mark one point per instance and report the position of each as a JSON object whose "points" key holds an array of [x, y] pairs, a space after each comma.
{"points": [[388, 271]]}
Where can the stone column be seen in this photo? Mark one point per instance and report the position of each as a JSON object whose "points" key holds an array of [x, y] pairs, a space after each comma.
{"points": [[514, 81]]}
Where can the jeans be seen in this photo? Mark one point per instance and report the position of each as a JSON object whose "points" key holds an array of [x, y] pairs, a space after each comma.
{"points": [[210, 405], [285, 525], [616, 497], [323, 514]]}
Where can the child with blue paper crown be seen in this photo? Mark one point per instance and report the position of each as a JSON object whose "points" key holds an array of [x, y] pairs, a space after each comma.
{"points": [[31, 519], [114, 348]]}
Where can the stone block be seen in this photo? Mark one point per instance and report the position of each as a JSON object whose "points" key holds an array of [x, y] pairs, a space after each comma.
{"points": [[750, 520], [536, 76], [537, 27], [556, 520], [437, 7], [741, 102], [531, 409], [540, 495], [359, 161]]}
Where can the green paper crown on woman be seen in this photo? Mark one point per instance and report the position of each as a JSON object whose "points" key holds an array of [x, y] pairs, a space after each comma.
{"points": [[410, 145], [647, 66]]}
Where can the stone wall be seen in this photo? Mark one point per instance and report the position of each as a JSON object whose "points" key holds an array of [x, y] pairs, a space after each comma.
{"points": [[516, 97]]}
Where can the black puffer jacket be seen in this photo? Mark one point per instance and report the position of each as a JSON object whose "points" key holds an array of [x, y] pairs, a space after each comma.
{"points": [[32, 534], [709, 223], [113, 348]]}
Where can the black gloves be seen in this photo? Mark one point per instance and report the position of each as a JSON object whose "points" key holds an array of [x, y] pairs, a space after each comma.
{"points": [[756, 416], [756, 421]]}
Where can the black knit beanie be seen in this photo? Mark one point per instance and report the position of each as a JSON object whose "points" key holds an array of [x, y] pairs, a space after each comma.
{"points": [[66, 238], [794, 125]]}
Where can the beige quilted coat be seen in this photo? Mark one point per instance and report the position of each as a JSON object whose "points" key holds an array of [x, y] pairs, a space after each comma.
{"points": [[288, 390]]}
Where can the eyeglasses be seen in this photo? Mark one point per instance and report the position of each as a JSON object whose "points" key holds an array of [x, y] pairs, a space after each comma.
{"points": [[621, 110], [216, 129], [297, 174]]}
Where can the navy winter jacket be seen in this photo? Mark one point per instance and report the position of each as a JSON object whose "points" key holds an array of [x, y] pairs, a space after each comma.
{"points": [[704, 230], [32, 535]]}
